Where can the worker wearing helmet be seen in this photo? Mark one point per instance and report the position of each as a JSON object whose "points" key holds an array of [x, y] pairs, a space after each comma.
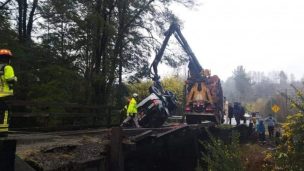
{"points": [[199, 91], [207, 72], [7, 81], [132, 111]]}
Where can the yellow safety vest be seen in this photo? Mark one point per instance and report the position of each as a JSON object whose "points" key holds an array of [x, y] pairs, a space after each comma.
{"points": [[6, 80], [8, 75], [132, 108]]}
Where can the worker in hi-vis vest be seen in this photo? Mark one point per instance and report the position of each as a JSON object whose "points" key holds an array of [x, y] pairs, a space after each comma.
{"points": [[7, 82], [132, 111]]}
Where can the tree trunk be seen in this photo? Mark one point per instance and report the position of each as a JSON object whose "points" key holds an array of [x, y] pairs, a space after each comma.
{"points": [[25, 25], [122, 5], [96, 41], [96, 54], [62, 37], [24, 18], [107, 13], [30, 21], [20, 21]]}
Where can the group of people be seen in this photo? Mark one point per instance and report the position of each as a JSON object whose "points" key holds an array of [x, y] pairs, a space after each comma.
{"points": [[237, 111], [260, 127]]}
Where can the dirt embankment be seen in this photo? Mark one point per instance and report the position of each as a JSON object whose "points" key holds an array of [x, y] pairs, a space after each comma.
{"points": [[64, 153]]}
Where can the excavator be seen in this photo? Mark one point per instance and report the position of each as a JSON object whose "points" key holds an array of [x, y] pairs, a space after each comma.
{"points": [[203, 92]]}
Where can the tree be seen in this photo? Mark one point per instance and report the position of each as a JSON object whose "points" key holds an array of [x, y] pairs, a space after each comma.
{"points": [[26, 19], [107, 40], [283, 78], [242, 82], [230, 91], [6, 33]]}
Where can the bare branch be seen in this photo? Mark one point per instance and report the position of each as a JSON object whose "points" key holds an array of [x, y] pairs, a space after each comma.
{"points": [[31, 20], [3, 5], [138, 13]]}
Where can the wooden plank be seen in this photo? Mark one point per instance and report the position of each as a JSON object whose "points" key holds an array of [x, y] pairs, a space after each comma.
{"points": [[27, 115], [73, 105], [116, 155], [201, 125], [174, 130], [19, 114], [135, 131], [141, 136]]}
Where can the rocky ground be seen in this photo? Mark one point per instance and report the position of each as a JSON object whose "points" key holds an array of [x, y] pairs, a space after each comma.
{"points": [[63, 153]]}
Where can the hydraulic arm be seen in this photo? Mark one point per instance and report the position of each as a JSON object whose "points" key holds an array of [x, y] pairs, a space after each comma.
{"points": [[203, 92], [194, 67]]}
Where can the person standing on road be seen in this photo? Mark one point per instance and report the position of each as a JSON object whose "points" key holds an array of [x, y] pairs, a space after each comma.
{"points": [[123, 111], [7, 82], [230, 112], [253, 117], [237, 112], [226, 108], [242, 114], [261, 131], [132, 111], [270, 123]]}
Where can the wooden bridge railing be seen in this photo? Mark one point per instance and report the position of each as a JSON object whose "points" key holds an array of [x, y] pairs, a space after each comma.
{"points": [[60, 116]]}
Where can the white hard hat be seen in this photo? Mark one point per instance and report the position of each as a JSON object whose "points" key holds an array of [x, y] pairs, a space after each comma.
{"points": [[135, 94]]}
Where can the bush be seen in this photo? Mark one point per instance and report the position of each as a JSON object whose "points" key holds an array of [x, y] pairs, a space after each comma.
{"points": [[221, 156], [290, 153]]}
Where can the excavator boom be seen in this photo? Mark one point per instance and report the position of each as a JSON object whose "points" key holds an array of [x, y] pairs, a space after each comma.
{"points": [[194, 66], [203, 91]]}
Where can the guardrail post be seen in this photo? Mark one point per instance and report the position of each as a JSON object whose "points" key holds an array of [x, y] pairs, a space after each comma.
{"points": [[116, 154], [7, 154]]}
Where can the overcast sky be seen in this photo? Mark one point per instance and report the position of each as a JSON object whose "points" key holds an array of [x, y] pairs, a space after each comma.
{"points": [[261, 35]]}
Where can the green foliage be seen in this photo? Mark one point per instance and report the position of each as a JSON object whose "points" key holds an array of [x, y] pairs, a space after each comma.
{"points": [[6, 33], [290, 153], [81, 56], [172, 83], [223, 157], [57, 84], [142, 89], [176, 85]]}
